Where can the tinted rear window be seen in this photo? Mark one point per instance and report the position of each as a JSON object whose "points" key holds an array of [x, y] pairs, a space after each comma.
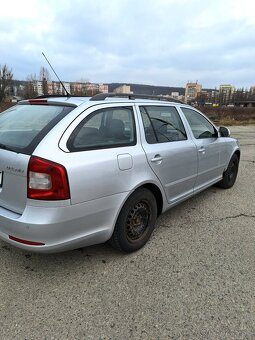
{"points": [[22, 127]]}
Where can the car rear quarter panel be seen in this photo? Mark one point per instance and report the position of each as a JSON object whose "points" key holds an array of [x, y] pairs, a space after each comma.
{"points": [[97, 173], [62, 228]]}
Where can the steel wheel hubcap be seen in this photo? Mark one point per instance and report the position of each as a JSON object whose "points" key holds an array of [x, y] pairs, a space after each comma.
{"points": [[137, 221]]}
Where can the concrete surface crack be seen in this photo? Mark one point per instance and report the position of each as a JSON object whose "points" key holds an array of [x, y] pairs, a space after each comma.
{"points": [[236, 216], [180, 225]]}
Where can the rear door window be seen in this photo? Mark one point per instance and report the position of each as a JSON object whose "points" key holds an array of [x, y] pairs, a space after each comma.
{"points": [[104, 128], [22, 127], [162, 124]]}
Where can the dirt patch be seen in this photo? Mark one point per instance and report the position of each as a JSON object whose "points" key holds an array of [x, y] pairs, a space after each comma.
{"points": [[5, 105]]}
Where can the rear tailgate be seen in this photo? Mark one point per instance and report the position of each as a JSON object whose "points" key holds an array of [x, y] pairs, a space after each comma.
{"points": [[22, 128], [13, 180]]}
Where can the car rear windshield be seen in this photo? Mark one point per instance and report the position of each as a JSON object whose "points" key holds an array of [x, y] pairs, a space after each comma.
{"points": [[22, 127]]}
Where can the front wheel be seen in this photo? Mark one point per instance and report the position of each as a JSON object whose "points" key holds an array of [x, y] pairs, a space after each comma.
{"points": [[229, 176], [136, 221]]}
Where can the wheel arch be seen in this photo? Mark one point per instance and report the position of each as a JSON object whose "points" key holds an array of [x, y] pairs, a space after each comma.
{"points": [[118, 239], [238, 153], [157, 194]]}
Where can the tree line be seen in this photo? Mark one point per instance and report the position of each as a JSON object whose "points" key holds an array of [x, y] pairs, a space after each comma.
{"points": [[10, 87], [6, 77], [29, 91]]}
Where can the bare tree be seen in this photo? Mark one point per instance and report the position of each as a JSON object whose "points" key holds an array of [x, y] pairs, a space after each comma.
{"points": [[5, 81], [44, 77], [30, 90]]}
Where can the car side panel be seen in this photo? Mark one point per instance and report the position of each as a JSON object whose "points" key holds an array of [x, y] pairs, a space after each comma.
{"points": [[211, 157], [101, 173], [177, 167], [209, 168], [177, 171], [98, 173]]}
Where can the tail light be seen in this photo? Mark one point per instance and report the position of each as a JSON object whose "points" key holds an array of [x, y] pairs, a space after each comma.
{"points": [[47, 180], [38, 101]]}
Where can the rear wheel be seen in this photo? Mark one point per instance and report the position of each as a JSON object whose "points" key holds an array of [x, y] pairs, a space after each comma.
{"points": [[136, 222], [229, 176]]}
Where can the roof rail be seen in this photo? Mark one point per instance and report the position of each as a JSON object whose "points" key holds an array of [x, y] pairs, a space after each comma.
{"points": [[103, 96]]}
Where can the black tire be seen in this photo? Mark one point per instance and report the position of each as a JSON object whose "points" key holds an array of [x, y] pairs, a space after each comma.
{"points": [[229, 176], [135, 222]]}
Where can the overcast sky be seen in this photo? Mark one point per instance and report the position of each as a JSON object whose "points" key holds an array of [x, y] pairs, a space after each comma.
{"points": [[159, 42]]}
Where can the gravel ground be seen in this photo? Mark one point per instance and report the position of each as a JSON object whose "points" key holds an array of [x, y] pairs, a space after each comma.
{"points": [[194, 280]]}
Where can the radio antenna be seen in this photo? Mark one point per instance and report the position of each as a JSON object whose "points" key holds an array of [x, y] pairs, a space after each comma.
{"points": [[67, 93]]}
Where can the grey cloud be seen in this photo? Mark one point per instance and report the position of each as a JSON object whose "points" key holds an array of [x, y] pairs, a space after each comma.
{"points": [[159, 42]]}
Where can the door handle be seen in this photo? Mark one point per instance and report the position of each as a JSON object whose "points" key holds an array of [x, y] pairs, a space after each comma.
{"points": [[202, 149], [157, 159]]}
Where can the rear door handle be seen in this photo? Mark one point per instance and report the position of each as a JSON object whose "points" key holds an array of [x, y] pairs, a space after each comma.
{"points": [[157, 159], [202, 149]]}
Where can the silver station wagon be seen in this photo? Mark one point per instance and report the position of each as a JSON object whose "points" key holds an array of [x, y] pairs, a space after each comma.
{"points": [[80, 171]]}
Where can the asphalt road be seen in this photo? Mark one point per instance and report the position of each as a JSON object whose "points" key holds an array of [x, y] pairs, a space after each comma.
{"points": [[194, 280]]}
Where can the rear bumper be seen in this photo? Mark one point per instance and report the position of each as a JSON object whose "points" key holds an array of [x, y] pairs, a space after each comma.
{"points": [[62, 228]]}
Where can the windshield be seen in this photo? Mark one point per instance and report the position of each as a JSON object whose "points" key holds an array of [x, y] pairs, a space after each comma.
{"points": [[22, 127]]}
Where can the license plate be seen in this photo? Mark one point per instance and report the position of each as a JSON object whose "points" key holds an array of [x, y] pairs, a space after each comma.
{"points": [[1, 178]]}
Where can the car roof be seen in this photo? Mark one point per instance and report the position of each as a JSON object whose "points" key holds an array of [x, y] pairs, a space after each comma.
{"points": [[69, 101], [99, 98]]}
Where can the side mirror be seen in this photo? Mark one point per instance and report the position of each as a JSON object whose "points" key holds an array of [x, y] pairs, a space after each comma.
{"points": [[224, 132]]}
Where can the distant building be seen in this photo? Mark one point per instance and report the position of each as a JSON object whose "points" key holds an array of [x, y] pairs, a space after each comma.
{"points": [[202, 98], [191, 92], [252, 90], [103, 88], [123, 89], [226, 93], [38, 87], [75, 88], [175, 95], [57, 88], [16, 90], [91, 88], [214, 97]]}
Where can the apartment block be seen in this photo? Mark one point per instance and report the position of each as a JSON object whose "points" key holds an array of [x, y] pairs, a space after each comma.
{"points": [[76, 88], [123, 89], [226, 92], [191, 92]]}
